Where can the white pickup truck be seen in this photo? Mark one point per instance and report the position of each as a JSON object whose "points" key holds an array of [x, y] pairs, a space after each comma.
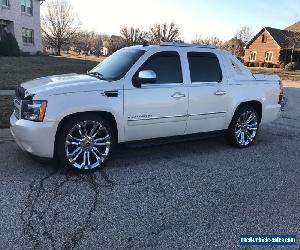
{"points": [[139, 93]]}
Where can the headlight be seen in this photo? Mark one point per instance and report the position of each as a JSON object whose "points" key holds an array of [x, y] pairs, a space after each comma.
{"points": [[33, 110]]}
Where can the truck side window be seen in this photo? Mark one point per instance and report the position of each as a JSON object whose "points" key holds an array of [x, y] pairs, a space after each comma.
{"points": [[204, 67], [167, 67]]}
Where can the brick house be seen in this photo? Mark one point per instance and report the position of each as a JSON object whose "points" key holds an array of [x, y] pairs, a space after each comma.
{"points": [[274, 45], [22, 19], [235, 46]]}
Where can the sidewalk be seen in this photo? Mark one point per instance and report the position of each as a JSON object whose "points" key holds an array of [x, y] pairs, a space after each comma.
{"points": [[6, 92], [5, 135], [291, 84]]}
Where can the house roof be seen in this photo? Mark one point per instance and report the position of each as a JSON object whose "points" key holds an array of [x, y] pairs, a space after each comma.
{"points": [[295, 27], [281, 37], [233, 41]]}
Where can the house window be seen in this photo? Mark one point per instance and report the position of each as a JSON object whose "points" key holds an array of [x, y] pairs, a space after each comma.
{"points": [[263, 38], [27, 36], [253, 56], [269, 56], [5, 3], [26, 6]]}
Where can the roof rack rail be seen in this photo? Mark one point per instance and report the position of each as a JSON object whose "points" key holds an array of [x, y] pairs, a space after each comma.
{"points": [[178, 44]]}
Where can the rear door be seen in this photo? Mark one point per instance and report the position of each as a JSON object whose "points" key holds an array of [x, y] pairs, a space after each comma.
{"points": [[158, 109], [207, 92]]}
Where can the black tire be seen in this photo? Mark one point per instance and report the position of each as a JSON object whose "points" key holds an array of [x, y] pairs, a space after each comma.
{"points": [[233, 127], [63, 135]]}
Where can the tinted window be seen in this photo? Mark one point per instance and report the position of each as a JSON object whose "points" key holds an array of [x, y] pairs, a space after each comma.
{"points": [[204, 67], [167, 67], [118, 64]]}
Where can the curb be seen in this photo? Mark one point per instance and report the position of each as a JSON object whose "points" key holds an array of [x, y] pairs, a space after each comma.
{"points": [[7, 92]]}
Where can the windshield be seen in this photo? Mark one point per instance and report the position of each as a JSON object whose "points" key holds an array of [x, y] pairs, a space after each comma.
{"points": [[117, 65]]}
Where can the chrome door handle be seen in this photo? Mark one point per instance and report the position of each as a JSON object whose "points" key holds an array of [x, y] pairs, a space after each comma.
{"points": [[178, 95], [220, 92], [111, 93]]}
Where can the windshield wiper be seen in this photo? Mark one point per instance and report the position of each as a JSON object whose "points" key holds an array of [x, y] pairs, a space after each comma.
{"points": [[96, 74]]}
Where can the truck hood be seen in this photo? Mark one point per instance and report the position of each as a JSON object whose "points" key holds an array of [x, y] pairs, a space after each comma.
{"points": [[61, 84]]}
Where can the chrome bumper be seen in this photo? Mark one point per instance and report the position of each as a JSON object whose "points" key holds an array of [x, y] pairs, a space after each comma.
{"points": [[36, 138]]}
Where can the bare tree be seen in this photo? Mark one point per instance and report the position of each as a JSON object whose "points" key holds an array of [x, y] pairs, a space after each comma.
{"points": [[114, 43], [292, 42], [83, 40], [97, 42], [89, 40], [59, 24], [214, 41], [164, 33], [133, 36], [245, 34]]}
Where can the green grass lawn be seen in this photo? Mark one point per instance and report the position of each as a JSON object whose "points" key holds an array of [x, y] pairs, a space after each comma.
{"points": [[6, 109], [15, 70], [283, 74]]}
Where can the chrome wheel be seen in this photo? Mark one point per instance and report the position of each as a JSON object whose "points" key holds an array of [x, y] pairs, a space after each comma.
{"points": [[87, 145], [246, 128]]}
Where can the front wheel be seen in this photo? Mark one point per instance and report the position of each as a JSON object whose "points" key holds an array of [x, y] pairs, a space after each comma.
{"points": [[85, 142], [244, 127]]}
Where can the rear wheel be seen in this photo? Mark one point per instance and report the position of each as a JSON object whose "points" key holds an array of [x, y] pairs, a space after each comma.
{"points": [[85, 142], [244, 127]]}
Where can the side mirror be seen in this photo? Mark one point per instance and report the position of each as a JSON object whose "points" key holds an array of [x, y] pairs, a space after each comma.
{"points": [[144, 76]]}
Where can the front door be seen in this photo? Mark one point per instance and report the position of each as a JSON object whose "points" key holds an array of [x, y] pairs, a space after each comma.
{"points": [[157, 109], [207, 93]]}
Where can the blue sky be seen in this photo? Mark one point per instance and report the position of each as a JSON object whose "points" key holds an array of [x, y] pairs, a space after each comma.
{"points": [[195, 17]]}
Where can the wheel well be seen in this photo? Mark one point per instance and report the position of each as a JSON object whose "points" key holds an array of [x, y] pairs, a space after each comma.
{"points": [[105, 115], [254, 104]]}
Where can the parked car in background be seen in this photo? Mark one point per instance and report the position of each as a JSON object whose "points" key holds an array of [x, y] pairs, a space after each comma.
{"points": [[138, 93]]}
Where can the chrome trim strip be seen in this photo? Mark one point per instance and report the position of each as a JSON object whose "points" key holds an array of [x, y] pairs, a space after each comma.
{"points": [[154, 118], [209, 113], [175, 116]]}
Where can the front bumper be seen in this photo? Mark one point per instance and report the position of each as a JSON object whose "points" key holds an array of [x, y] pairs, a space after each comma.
{"points": [[36, 138]]}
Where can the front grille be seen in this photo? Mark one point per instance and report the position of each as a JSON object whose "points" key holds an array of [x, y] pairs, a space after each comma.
{"points": [[20, 92]]}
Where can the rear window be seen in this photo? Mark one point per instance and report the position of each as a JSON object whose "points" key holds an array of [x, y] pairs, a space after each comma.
{"points": [[204, 67]]}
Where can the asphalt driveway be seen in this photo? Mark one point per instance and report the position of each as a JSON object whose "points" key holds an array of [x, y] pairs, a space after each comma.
{"points": [[187, 195]]}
